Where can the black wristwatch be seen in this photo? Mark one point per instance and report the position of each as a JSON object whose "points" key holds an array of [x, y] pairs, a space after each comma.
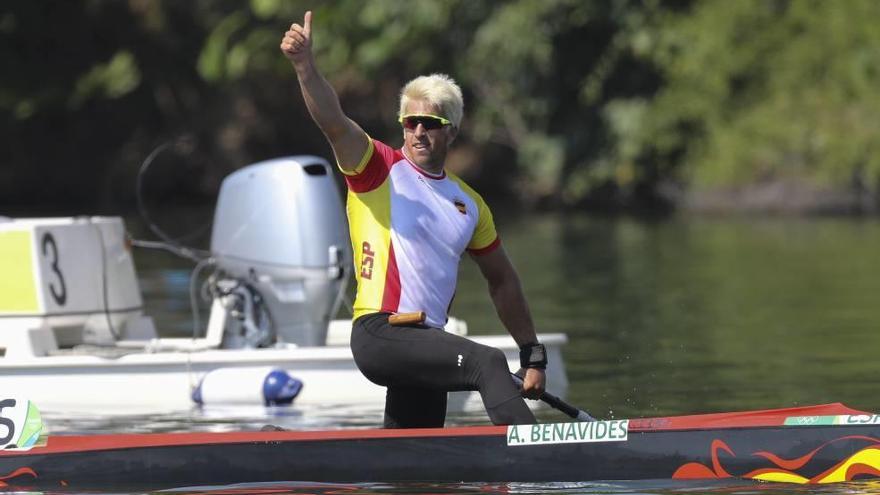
{"points": [[533, 356]]}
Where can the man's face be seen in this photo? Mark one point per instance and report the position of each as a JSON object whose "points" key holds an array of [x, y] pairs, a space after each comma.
{"points": [[427, 147]]}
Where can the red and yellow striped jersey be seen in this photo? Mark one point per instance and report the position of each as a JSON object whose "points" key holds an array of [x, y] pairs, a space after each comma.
{"points": [[408, 231]]}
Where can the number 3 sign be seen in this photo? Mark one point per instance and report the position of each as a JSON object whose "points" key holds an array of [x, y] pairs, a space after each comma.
{"points": [[20, 424]]}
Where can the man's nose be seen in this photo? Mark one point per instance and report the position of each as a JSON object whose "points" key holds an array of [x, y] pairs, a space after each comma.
{"points": [[420, 129]]}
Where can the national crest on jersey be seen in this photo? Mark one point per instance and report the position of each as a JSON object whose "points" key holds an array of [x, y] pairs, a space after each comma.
{"points": [[460, 206], [408, 230]]}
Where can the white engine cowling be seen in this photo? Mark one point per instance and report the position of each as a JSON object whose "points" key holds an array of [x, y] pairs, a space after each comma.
{"points": [[280, 226]]}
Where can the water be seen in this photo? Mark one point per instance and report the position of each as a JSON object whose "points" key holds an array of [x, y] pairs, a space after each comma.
{"points": [[674, 317], [593, 488], [700, 315]]}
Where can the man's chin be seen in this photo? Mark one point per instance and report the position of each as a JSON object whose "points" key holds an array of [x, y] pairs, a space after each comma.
{"points": [[420, 157]]}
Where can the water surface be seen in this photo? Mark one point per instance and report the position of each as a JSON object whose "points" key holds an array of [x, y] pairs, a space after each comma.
{"points": [[668, 317], [673, 317]]}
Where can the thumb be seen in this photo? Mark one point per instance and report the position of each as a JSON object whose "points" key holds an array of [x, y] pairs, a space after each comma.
{"points": [[307, 24]]}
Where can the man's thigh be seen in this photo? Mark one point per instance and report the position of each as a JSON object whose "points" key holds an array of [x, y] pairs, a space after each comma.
{"points": [[411, 357]]}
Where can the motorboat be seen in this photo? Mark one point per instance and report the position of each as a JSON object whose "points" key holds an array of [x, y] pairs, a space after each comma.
{"points": [[74, 336]]}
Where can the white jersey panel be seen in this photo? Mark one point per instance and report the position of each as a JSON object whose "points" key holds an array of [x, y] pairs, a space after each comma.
{"points": [[432, 222]]}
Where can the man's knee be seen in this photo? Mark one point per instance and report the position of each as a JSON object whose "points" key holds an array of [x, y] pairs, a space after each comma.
{"points": [[494, 362], [492, 372]]}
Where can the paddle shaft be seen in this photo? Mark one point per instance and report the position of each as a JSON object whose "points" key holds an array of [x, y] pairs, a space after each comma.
{"points": [[559, 404]]}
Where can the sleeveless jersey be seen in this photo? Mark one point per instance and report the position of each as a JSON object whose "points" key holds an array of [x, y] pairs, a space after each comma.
{"points": [[408, 231]]}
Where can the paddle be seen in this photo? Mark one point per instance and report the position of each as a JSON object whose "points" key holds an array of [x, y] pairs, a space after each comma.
{"points": [[559, 404]]}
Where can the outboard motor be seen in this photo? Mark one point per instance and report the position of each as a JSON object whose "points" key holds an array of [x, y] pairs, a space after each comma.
{"points": [[281, 245]]}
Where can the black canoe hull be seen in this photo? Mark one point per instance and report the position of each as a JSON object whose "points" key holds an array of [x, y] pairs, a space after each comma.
{"points": [[753, 452], [814, 444]]}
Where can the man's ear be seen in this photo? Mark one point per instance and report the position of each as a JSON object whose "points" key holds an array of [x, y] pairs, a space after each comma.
{"points": [[453, 133]]}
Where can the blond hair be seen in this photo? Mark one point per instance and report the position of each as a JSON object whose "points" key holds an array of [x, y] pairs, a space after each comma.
{"points": [[437, 90]]}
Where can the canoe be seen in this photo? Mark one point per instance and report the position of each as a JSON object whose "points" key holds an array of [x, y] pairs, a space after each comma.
{"points": [[815, 444]]}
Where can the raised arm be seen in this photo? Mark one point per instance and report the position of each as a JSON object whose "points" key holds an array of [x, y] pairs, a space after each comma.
{"points": [[346, 137], [513, 310]]}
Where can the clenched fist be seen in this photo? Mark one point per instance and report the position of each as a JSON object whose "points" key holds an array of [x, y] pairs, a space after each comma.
{"points": [[297, 42]]}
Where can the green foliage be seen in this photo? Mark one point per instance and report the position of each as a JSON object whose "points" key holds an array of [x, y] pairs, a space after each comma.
{"points": [[507, 66], [603, 101], [115, 79], [770, 90], [221, 56]]}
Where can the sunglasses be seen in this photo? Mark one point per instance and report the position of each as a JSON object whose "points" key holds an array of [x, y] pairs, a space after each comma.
{"points": [[429, 122]]}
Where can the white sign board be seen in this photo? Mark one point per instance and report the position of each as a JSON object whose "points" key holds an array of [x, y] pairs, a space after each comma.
{"points": [[554, 433]]}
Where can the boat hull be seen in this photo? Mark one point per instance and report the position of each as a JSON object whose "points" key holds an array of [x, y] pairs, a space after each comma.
{"points": [[652, 450], [147, 382]]}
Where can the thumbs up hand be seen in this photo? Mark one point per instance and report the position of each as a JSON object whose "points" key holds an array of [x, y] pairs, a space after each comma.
{"points": [[297, 42]]}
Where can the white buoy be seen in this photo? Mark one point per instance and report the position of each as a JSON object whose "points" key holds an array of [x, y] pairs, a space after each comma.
{"points": [[247, 386]]}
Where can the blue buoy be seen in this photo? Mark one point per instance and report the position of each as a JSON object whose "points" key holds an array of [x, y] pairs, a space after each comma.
{"points": [[280, 388]]}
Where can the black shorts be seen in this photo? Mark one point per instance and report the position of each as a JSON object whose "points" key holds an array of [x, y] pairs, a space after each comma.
{"points": [[419, 365]]}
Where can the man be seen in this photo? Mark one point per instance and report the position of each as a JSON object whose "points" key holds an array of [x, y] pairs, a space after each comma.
{"points": [[410, 222]]}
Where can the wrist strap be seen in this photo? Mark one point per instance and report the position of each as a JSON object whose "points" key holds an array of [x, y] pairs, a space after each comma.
{"points": [[533, 356]]}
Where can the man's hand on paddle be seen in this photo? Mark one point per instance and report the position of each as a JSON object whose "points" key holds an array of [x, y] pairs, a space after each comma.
{"points": [[297, 42], [534, 381]]}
